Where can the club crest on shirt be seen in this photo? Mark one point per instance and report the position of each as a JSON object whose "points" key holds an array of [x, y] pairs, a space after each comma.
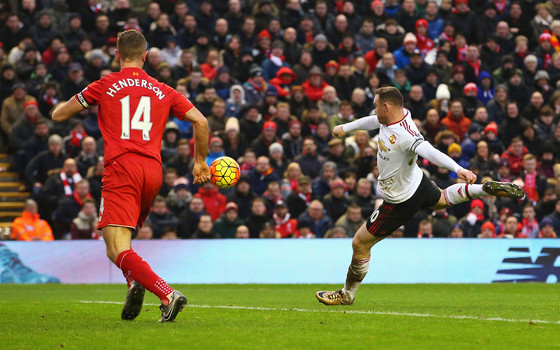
{"points": [[382, 146], [134, 73], [392, 139]]}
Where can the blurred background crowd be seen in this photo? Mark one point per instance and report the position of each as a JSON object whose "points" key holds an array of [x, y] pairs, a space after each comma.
{"points": [[274, 78]]}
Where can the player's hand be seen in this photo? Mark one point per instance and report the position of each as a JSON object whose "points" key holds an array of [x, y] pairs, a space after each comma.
{"points": [[338, 131], [467, 175], [201, 173]]}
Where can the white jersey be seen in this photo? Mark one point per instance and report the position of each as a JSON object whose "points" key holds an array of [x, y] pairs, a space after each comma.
{"points": [[399, 175]]}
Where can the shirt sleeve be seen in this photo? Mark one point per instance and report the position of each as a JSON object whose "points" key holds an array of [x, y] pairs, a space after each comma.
{"points": [[91, 95], [180, 106], [365, 123], [429, 152]]}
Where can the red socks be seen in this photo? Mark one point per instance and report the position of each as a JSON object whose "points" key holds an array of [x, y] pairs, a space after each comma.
{"points": [[135, 268]]}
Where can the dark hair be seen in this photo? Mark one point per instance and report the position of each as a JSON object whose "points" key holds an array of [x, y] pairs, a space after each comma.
{"points": [[390, 94]]}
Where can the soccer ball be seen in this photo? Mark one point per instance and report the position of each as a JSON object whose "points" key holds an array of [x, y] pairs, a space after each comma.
{"points": [[225, 172]]}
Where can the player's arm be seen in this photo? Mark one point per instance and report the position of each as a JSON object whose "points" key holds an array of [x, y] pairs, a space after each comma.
{"points": [[365, 123], [442, 160], [66, 110], [201, 171]]}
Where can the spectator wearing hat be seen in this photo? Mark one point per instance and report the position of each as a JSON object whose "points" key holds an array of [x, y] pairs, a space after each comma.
{"points": [[487, 230], [336, 154], [547, 229], [336, 202], [322, 51], [215, 149], [74, 34], [256, 86], [214, 202], [417, 69], [74, 82], [314, 86], [464, 18], [251, 123], [455, 152], [456, 120], [506, 70], [408, 15], [25, 66], [472, 222], [486, 90], [13, 107], [485, 24], [262, 175], [469, 100], [403, 54], [61, 65], [277, 159], [42, 31], [275, 61], [546, 163], [23, 130], [179, 197], [268, 136], [442, 66], [234, 144], [263, 48], [424, 43], [542, 84], [227, 224], [530, 68], [457, 82], [285, 224], [283, 81]]}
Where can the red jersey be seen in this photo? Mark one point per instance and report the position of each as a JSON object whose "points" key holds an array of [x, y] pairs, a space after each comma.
{"points": [[133, 111]]}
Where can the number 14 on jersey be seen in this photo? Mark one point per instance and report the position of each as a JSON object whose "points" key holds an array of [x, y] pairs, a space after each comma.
{"points": [[140, 119]]}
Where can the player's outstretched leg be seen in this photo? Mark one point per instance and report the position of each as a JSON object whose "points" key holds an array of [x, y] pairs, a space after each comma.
{"points": [[503, 189], [462, 192], [134, 300], [361, 245], [177, 302]]}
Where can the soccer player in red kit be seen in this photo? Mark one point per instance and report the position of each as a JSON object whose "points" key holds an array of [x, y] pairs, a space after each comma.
{"points": [[133, 111]]}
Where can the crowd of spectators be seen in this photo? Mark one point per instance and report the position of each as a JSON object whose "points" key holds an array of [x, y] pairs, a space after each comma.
{"points": [[274, 78]]}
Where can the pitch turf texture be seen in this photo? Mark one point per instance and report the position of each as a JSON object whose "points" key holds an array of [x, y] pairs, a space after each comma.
{"points": [[495, 316]]}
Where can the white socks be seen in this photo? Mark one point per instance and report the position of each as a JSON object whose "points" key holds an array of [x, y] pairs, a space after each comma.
{"points": [[356, 273], [460, 193]]}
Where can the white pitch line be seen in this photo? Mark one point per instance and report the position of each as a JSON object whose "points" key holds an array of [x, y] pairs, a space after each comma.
{"points": [[382, 313]]}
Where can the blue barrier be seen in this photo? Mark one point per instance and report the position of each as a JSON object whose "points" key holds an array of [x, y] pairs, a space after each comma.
{"points": [[305, 261]]}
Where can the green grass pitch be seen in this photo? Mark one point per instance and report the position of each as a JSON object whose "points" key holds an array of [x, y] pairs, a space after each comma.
{"points": [[495, 316]]}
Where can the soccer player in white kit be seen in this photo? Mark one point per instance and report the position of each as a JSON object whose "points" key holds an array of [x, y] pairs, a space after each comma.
{"points": [[402, 184]]}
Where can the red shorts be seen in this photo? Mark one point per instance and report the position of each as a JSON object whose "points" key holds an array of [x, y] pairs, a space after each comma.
{"points": [[130, 184]]}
